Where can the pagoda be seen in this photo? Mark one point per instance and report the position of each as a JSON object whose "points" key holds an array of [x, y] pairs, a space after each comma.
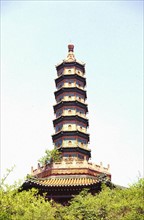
{"points": [[63, 179]]}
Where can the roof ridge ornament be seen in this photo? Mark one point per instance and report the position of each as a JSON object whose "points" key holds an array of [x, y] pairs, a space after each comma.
{"points": [[70, 47], [70, 56]]}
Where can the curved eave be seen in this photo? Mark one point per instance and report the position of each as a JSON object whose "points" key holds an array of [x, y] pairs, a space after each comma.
{"points": [[70, 117], [50, 184], [71, 64], [70, 103], [70, 76], [77, 149], [70, 133], [70, 89]]}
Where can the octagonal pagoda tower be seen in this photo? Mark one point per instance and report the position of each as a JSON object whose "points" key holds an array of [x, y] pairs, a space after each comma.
{"points": [[71, 123], [60, 180]]}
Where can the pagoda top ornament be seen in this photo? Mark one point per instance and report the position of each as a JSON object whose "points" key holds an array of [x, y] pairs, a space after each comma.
{"points": [[71, 57]]}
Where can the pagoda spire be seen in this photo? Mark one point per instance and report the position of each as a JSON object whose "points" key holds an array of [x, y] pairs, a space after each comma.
{"points": [[70, 56]]}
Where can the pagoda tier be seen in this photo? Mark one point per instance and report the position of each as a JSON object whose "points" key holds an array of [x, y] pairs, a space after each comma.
{"points": [[66, 118], [76, 77], [75, 152], [70, 123], [72, 140], [66, 64], [70, 92], [75, 133], [79, 107]]}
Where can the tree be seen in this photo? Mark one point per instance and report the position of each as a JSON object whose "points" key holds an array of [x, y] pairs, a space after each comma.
{"points": [[24, 205], [109, 204], [50, 155]]}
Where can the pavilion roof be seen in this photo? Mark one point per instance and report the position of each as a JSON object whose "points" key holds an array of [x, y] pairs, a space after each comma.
{"points": [[66, 181], [63, 181]]}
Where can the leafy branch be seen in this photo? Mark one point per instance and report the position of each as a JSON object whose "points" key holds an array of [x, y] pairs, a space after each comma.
{"points": [[50, 156], [8, 171]]}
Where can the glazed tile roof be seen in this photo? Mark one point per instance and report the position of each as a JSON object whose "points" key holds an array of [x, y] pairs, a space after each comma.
{"points": [[56, 182]]}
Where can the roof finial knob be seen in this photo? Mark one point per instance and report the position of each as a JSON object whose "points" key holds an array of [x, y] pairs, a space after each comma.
{"points": [[70, 48]]}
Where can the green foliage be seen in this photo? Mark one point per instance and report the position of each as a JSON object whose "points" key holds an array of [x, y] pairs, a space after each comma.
{"points": [[109, 204], [50, 155], [25, 205], [116, 204]]}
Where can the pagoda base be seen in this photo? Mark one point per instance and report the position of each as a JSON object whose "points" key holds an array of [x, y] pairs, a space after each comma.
{"points": [[67, 178]]}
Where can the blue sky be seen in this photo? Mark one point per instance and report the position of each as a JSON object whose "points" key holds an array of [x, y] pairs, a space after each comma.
{"points": [[108, 37]]}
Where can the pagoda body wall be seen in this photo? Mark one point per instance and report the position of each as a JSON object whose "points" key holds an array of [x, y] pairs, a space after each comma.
{"points": [[71, 124]]}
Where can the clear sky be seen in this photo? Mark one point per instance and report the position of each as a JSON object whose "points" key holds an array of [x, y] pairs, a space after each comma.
{"points": [[108, 37]]}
